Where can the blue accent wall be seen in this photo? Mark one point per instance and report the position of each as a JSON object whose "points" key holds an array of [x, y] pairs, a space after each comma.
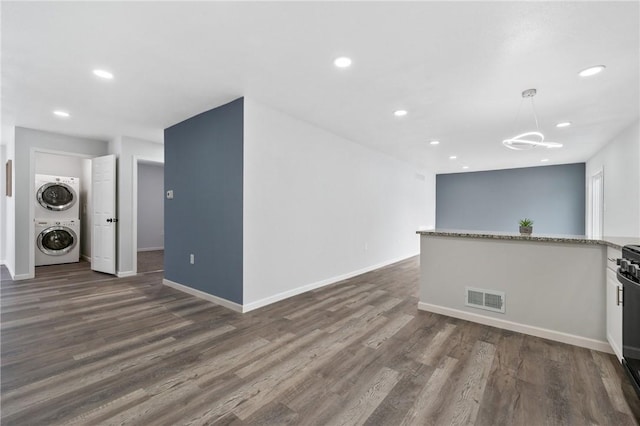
{"points": [[204, 168], [553, 196]]}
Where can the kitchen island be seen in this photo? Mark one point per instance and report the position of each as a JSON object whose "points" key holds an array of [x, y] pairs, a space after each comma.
{"points": [[547, 286]]}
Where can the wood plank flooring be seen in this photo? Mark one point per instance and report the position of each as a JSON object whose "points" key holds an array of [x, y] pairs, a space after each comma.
{"points": [[150, 261], [83, 348]]}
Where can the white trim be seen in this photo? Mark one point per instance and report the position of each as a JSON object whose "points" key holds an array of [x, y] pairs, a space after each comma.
{"points": [[545, 333], [299, 290], [21, 277], [135, 160], [125, 274], [151, 249], [85, 257], [280, 296], [616, 349], [202, 295], [589, 208], [31, 264], [134, 213], [11, 272]]}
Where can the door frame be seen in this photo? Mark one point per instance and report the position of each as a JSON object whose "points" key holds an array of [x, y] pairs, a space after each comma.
{"points": [[590, 203], [32, 197], [137, 159]]}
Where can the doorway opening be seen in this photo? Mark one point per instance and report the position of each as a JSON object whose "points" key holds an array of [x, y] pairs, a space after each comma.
{"points": [[58, 206], [148, 216]]}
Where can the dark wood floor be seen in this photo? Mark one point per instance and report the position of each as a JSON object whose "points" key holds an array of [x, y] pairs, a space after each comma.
{"points": [[79, 347], [150, 261]]}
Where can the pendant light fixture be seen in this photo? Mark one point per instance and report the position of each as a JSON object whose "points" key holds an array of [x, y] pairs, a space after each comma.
{"points": [[529, 140]]}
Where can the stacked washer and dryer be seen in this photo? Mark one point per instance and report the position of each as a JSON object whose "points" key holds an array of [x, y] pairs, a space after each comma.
{"points": [[57, 223]]}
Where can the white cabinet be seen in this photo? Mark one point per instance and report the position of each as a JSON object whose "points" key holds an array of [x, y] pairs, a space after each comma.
{"points": [[614, 304]]}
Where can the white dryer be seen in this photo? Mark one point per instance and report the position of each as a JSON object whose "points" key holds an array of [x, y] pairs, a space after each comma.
{"points": [[57, 241], [57, 197]]}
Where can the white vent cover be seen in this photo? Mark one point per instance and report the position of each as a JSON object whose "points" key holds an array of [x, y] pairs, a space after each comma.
{"points": [[490, 300]]}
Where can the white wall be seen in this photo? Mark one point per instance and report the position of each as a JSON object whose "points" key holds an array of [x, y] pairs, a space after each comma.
{"points": [[620, 160], [129, 151], [27, 143], [552, 290], [318, 207], [150, 207], [58, 165]]}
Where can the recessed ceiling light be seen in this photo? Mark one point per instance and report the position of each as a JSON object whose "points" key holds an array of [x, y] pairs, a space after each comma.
{"points": [[103, 74], [591, 71], [63, 114], [453, 157], [564, 124], [400, 113], [544, 160], [342, 62], [465, 167], [434, 142]]}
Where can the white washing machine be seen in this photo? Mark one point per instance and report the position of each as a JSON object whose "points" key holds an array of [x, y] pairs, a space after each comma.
{"points": [[57, 241], [57, 197]]}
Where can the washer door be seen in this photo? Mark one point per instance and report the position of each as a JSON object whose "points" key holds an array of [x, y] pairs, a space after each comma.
{"points": [[57, 240], [56, 196]]}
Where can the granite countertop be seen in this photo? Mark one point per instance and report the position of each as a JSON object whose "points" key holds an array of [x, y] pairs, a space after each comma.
{"points": [[614, 242]]}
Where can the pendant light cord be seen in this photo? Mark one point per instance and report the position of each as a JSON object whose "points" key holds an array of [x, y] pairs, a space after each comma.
{"points": [[535, 116]]}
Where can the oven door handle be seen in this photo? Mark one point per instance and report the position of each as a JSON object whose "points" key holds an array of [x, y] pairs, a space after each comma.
{"points": [[619, 301]]}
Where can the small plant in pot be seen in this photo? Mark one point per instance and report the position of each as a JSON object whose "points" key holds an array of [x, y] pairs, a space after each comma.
{"points": [[526, 226]]}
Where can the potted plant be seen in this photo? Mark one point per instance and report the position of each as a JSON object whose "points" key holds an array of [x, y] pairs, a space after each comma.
{"points": [[526, 226]]}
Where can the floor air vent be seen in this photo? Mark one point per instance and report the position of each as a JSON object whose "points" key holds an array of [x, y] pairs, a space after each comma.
{"points": [[489, 300]]}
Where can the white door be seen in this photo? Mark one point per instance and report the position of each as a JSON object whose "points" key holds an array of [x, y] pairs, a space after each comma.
{"points": [[103, 191]]}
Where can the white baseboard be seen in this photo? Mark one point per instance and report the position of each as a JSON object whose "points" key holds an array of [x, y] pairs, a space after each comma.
{"points": [[20, 277], [616, 349], [125, 274], [299, 290], [545, 333], [202, 295], [151, 249], [280, 296], [85, 257]]}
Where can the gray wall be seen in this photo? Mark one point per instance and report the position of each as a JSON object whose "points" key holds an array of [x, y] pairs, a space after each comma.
{"points": [[150, 206], [553, 196], [204, 168]]}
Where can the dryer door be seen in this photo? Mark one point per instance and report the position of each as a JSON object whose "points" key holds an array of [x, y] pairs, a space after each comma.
{"points": [[56, 196], [57, 240]]}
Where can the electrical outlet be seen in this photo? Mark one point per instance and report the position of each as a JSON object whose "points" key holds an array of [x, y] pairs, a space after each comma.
{"points": [[192, 259]]}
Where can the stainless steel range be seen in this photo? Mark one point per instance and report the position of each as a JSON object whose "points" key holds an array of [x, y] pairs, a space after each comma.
{"points": [[629, 276]]}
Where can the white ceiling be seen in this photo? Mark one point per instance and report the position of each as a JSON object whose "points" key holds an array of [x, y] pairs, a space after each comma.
{"points": [[457, 67]]}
